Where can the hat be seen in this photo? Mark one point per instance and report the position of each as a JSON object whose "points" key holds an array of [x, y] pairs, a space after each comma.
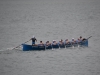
{"points": [[33, 36], [72, 38], [54, 40]]}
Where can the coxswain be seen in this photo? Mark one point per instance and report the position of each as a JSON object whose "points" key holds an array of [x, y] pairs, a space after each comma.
{"points": [[33, 40]]}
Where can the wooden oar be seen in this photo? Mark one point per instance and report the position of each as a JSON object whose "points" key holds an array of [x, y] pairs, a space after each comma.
{"points": [[21, 44], [89, 37]]}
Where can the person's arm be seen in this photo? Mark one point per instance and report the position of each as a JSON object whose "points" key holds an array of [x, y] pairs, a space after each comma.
{"points": [[36, 39]]}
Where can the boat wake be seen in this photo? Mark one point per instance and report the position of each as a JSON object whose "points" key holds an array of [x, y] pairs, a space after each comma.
{"points": [[11, 48]]}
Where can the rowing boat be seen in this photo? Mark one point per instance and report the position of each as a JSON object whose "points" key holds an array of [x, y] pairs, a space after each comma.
{"points": [[27, 47]]}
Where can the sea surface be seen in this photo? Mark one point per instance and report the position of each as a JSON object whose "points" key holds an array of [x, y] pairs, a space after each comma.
{"points": [[49, 20]]}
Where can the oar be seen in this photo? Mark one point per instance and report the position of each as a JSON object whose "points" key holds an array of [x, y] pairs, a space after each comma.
{"points": [[21, 44], [89, 37]]}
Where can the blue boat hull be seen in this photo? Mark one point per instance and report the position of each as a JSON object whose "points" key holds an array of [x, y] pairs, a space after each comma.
{"points": [[35, 48]]}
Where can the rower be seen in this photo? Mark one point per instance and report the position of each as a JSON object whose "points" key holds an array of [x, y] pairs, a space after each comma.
{"points": [[41, 44], [67, 41], [78, 40], [61, 42], [73, 41], [82, 39], [54, 42], [48, 43]]}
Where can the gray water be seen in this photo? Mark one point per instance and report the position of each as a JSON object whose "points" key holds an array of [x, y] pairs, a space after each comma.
{"points": [[49, 20]]}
